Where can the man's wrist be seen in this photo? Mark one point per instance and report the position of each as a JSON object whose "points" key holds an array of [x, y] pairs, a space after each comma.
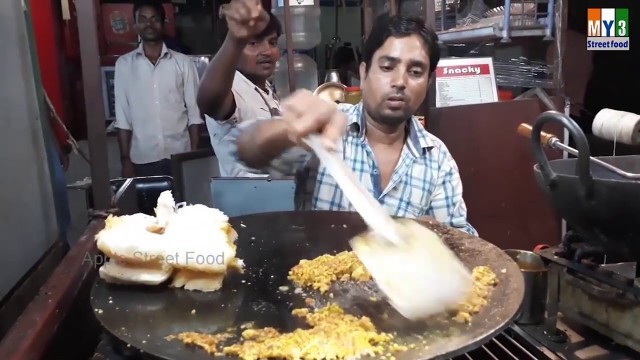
{"points": [[275, 140], [235, 43]]}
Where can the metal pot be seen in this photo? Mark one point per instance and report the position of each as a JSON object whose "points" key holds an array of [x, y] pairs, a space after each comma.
{"points": [[331, 91], [534, 272], [600, 205]]}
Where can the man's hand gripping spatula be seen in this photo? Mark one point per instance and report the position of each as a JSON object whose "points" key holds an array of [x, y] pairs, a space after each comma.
{"points": [[414, 268]]}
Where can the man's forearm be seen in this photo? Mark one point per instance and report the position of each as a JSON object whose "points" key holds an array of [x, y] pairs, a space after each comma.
{"points": [[124, 143], [262, 142], [194, 136], [214, 93]]}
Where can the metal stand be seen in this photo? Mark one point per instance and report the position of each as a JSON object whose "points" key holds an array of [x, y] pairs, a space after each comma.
{"points": [[551, 323]]}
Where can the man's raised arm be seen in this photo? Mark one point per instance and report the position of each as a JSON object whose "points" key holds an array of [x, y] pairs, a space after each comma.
{"points": [[245, 19]]}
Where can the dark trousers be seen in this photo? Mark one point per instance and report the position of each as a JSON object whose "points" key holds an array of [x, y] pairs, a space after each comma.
{"points": [[158, 168]]}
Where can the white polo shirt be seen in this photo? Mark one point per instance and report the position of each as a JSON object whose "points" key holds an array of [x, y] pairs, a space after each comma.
{"points": [[251, 103], [156, 102]]}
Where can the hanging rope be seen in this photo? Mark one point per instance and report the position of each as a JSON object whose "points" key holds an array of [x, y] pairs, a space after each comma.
{"points": [[70, 140]]}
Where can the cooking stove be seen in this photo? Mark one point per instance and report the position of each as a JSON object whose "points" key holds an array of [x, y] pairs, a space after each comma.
{"points": [[604, 265], [591, 287], [518, 342], [512, 344]]}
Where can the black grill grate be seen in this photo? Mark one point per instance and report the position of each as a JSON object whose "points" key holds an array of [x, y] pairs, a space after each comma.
{"points": [[510, 344]]}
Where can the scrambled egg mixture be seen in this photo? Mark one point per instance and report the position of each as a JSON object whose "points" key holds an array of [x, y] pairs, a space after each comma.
{"points": [[322, 271], [483, 281], [332, 335], [209, 342]]}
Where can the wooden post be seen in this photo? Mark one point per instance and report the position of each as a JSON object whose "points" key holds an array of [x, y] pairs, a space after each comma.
{"points": [[87, 15]]}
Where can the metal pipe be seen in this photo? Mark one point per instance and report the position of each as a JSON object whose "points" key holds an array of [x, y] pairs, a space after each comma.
{"points": [[553, 142], [557, 144], [549, 21], [541, 94], [430, 21], [506, 23], [289, 46], [443, 8], [120, 192], [565, 140]]}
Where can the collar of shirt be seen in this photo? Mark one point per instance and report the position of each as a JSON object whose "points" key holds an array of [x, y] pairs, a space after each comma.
{"points": [[269, 93], [419, 142], [164, 52]]}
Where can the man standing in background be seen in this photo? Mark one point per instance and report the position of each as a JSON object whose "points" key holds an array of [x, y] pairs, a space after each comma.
{"points": [[155, 99]]}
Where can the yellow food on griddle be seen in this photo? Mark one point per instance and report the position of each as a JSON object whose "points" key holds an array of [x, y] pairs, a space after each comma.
{"points": [[324, 270], [209, 342], [483, 281], [332, 334]]}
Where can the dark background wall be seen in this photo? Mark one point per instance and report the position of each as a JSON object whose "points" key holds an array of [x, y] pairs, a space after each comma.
{"points": [[615, 79]]}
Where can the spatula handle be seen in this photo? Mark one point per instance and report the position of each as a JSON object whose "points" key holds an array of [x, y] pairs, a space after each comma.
{"points": [[371, 211]]}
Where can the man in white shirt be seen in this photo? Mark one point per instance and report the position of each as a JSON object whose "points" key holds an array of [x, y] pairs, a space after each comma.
{"points": [[155, 99], [228, 98]]}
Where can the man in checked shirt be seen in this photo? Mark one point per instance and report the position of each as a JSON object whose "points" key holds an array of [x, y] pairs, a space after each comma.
{"points": [[409, 171]]}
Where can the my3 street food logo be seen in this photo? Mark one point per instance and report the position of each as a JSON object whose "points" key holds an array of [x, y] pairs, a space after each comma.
{"points": [[608, 29]]}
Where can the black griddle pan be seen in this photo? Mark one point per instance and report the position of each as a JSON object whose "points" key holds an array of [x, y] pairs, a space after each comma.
{"points": [[271, 244]]}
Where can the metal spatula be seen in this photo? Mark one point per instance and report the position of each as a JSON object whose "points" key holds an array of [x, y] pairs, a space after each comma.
{"points": [[415, 269]]}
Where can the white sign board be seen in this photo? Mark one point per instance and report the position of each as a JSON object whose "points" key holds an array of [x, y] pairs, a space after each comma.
{"points": [[464, 81]]}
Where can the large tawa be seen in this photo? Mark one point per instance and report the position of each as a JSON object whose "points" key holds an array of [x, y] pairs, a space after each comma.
{"points": [[270, 245]]}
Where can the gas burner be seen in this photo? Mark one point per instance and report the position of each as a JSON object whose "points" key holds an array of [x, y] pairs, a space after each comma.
{"points": [[585, 261], [575, 248], [586, 285]]}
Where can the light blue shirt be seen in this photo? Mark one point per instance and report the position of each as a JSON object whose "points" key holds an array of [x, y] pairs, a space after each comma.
{"points": [[425, 181]]}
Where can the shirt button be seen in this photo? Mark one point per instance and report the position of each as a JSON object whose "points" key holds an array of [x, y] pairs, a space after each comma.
{"points": [[375, 171]]}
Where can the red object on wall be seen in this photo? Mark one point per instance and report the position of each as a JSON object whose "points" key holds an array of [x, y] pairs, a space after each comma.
{"points": [[70, 33], [505, 95], [46, 19], [117, 24]]}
